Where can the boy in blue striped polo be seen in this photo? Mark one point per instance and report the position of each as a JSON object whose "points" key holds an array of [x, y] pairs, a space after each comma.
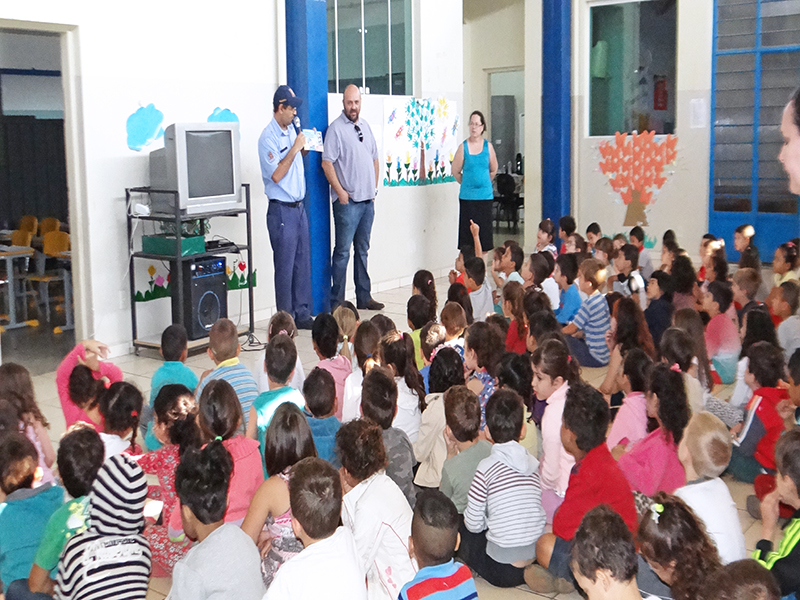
{"points": [[586, 334], [433, 542], [224, 349]]}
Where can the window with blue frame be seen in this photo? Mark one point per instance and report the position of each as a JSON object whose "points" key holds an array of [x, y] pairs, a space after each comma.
{"points": [[756, 67]]}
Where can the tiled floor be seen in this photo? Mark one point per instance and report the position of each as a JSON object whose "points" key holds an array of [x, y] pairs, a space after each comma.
{"points": [[139, 369]]}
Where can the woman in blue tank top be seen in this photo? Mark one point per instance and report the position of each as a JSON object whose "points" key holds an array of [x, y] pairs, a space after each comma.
{"points": [[474, 167]]}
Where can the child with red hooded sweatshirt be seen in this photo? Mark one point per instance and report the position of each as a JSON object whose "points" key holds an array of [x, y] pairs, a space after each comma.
{"points": [[754, 445]]}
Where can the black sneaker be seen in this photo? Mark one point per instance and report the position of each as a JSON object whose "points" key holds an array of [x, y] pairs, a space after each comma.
{"points": [[305, 324], [372, 304]]}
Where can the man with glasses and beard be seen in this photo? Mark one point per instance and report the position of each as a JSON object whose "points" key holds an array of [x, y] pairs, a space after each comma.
{"points": [[350, 162]]}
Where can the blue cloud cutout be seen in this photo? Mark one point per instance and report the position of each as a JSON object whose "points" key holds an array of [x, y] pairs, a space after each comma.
{"points": [[222, 115], [144, 127]]}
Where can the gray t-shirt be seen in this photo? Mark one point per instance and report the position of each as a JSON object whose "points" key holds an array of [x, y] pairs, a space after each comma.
{"points": [[789, 336], [353, 160], [459, 471], [400, 455], [224, 565]]}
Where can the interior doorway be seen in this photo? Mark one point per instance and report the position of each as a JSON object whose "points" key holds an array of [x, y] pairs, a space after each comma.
{"points": [[37, 223], [507, 134]]}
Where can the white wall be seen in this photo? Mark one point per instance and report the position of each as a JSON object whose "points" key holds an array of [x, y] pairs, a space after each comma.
{"points": [[682, 203], [187, 62]]}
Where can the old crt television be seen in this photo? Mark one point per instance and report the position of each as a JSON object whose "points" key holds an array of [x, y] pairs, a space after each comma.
{"points": [[201, 162]]}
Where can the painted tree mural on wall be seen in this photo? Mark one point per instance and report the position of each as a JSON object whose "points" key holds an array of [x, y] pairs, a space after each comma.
{"points": [[634, 164]]}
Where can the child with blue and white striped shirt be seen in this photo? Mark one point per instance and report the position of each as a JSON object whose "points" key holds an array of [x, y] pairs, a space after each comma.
{"points": [[592, 320]]}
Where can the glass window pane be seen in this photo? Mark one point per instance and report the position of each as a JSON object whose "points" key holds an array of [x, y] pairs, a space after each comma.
{"points": [[376, 46], [331, 46], [780, 22], [401, 47], [350, 44], [632, 68]]}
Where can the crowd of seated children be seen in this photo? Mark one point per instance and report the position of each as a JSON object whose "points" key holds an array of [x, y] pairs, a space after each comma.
{"points": [[565, 275], [365, 347], [223, 560], [783, 563], [628, 330], [319, 391], [757, 326], [586, 331], [652, 463], [27, 508], [280, 358], [715, 262], [645, 262], [704, 452], [538, 274], [80, 377], [466, 448], [629, 279], [434, 538], [329, 565], [325, 340], [418, 315], [175, 428], [483, 348], [432, 336], [120, 406], [504, 511], [754, 446], [577, 245], [554, 371], [379, 405], [545, 235], [281, 322], [566, 227], [678, 554], [374, 510], [687, 292], [658, 313], [268, 521], [80, 456], [784, 306], [676, 349], [174, 350], [16, 387], [224, 350], [603, 557], [346, 317], [430, 449], [396, 352], [507, 264], [480, 294], [595, 480], [630, 424]]}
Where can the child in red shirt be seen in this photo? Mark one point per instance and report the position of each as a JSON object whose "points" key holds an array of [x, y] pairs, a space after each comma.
{"points": [[513, 295], [596, 479]]}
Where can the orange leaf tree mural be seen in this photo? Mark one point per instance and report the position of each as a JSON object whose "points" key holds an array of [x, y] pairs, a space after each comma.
{"points": [[634, 165]]}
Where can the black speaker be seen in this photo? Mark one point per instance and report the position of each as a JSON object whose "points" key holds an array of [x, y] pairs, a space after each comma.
{"points": [[205, 295]]}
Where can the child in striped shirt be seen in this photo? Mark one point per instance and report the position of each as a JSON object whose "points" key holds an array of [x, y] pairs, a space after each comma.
{"points": [[434, 535], [224, 349], [592, 320], [505, 499]]}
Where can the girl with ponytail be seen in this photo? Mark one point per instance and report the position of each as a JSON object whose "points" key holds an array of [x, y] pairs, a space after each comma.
{"points": [[397, 353]]}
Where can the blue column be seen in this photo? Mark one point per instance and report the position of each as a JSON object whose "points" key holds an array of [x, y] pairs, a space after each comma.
{"points": [[307, 74], [556, 108]]}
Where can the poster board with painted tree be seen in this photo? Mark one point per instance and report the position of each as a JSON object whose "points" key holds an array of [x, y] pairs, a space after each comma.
{"points": [[419, 141]]}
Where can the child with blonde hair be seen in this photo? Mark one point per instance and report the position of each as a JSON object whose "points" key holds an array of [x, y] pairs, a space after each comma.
{"points": [[347, 320]]}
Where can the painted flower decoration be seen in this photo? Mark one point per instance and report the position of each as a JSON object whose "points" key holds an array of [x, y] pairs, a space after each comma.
{"points": [[151, 270]]}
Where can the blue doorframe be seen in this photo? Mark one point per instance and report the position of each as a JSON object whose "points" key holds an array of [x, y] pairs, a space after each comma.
{"points": [[307, 75], [556, 108], [772, 229]]}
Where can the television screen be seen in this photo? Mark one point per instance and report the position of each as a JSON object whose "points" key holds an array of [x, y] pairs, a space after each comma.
{"points": [[209, 163]]}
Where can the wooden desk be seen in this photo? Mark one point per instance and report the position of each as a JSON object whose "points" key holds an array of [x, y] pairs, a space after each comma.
{"points": [[9, 253]]}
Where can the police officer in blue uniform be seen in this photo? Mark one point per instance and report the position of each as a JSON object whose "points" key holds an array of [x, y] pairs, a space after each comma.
{"points": [[280, 150]]}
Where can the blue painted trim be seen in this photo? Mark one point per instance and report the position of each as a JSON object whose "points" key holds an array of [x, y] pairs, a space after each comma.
{"points": [[31, 72], [307, 75], [556, 108]]}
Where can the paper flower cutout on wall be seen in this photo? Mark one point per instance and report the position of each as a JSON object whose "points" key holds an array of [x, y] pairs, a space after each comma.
{"points": [[144, 127], [222, 115], [634, 165]]}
